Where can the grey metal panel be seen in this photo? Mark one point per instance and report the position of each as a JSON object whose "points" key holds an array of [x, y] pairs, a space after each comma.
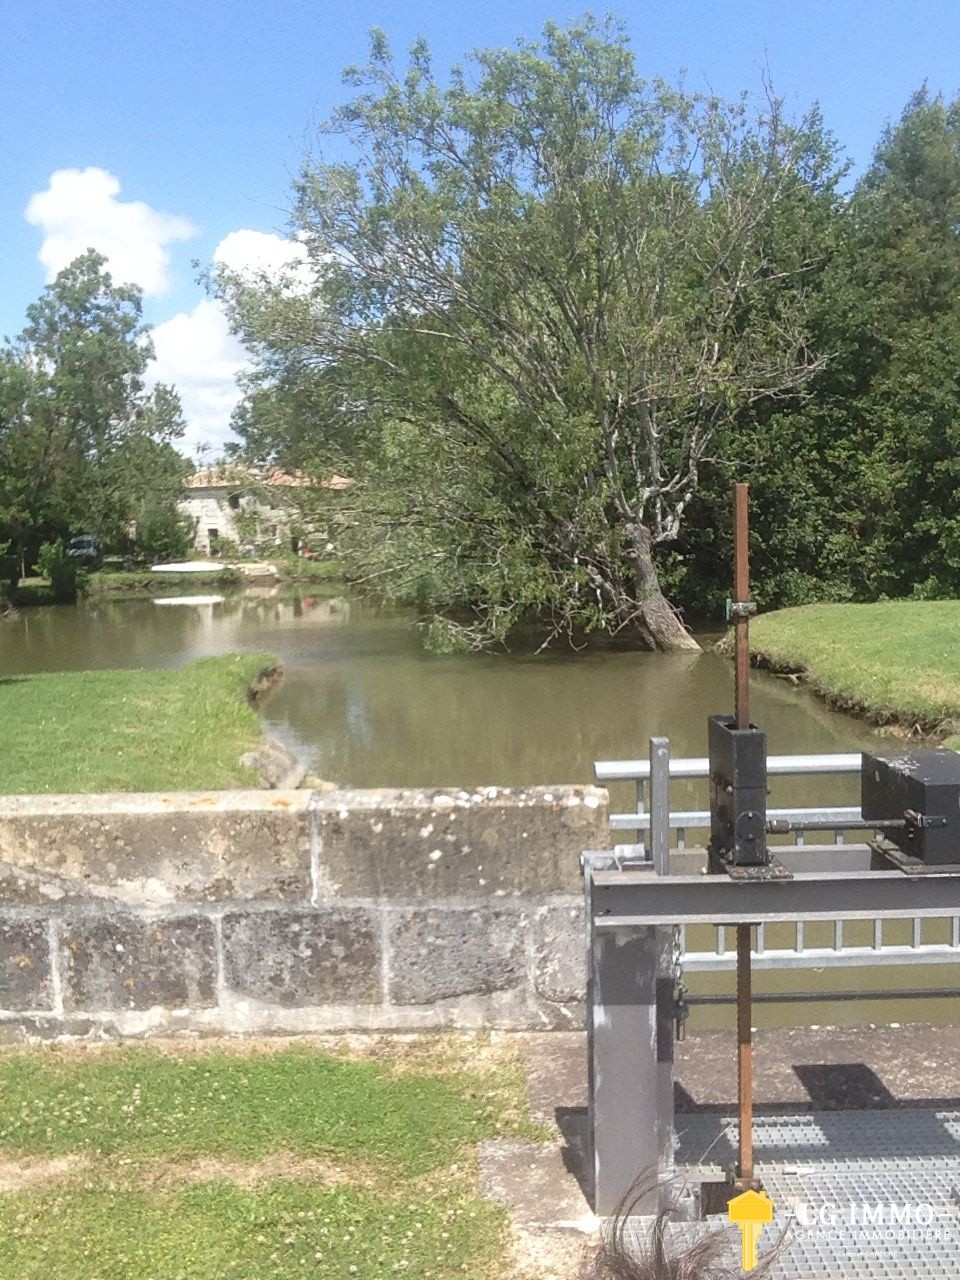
{"points": [[625, 899], [631, 1065]]}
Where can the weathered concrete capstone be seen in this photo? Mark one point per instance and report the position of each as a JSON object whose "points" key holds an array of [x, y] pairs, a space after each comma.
{"points": [[325, 956], [560, 953], [437, 954], [136, 962], [155, 848], [490, 841], [25, 979]]}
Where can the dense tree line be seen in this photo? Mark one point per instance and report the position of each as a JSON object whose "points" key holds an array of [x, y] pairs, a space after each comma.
{"points": [[555, 310], [84, 446], [855, 487]]}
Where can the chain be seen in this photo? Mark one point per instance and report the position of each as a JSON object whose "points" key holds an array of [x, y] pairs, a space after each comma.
{"points": [[680, 1007]]}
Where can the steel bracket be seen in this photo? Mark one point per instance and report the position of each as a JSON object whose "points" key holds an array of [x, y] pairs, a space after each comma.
{"points": [[911, 865], [735, 609]]}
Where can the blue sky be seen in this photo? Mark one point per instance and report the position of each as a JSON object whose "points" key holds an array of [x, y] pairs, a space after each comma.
{"points": [[185, 121]]}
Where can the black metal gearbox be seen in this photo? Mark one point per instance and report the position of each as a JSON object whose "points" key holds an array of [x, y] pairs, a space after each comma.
{"points": [[921, 789], [738, 794]]}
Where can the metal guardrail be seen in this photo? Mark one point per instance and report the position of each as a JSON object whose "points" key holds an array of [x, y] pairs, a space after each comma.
{"points": [[699, 766], [657, 821], [649, 773]]}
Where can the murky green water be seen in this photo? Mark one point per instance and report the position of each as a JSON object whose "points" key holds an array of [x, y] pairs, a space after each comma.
{"points": [[364, 705]]}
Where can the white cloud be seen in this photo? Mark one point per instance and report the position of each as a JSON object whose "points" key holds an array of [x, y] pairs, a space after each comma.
{"points": [[80, 210], [199, 356], [253, 253]]}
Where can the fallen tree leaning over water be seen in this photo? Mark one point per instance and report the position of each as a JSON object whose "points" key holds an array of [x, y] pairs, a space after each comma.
{"points": [[542, 297]]}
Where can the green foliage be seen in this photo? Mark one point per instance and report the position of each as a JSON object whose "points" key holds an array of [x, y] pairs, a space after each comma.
{"points": [[249, 526], [163, 534], [855, 491], [146, 583], [225, 549], [82, 442], [130, 730], [545, 294], [558, 311], [65, 576]]}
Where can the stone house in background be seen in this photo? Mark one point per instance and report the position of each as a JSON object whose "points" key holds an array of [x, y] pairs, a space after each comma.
{"points": [[246, 506]]}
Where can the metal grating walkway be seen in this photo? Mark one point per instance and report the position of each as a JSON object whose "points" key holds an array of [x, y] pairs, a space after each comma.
{"points": [[869, 1168]]}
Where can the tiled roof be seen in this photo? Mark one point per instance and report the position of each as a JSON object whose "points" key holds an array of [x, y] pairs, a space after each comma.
{"points": [[235, 475]]}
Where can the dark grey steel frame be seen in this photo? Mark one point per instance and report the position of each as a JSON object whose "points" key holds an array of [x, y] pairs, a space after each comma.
{"points": [[631, 911]]}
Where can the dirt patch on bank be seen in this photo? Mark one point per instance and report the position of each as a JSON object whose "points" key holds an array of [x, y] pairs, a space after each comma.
{"points": [[281, 1166], [33, 1173], [263, 684]]}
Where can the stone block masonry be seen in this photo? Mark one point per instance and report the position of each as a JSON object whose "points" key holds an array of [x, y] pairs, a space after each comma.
{"points": [[279, 912]]}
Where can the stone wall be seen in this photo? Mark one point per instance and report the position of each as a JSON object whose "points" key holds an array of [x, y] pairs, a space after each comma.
{"points": [[252, 911]]}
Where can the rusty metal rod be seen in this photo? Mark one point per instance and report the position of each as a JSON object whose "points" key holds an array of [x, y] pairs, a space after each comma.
{"points": [[745, 1052], [741, 595]]}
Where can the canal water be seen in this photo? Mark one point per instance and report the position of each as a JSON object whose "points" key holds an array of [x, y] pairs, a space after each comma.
{"points": [[363, 704]]}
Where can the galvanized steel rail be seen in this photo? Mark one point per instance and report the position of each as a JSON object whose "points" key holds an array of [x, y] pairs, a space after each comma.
{"points": [[659, 822], [838, 818]]}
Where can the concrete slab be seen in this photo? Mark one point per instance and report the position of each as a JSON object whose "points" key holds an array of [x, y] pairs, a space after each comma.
{"points": [[532, 1181]]}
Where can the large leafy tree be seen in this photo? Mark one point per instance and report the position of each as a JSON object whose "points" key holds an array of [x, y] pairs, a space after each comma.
{"points": [[83, 444], [856, 492], [896, 391], [548, 291]]}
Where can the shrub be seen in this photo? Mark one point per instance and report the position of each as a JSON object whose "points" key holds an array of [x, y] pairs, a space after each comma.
{"points": [[164, 534], [65, 576]]}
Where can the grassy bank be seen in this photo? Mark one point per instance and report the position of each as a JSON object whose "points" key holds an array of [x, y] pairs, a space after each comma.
{"points": [[896, 662], [130, 730], [294, 571], [107, 582], [199, 1163], [289, 569]]}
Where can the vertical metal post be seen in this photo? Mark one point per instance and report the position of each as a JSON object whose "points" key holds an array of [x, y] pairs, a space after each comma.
{"points": [[630, 1028], [660, 805], [640, 811], [630, 995], [741, 595]]}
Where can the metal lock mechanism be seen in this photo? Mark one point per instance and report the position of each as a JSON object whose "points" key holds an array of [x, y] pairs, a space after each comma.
{"points": [[738, 795]]}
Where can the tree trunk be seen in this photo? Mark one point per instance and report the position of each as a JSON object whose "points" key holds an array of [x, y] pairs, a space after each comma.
{"points": [[656, 619], [16, 566]]}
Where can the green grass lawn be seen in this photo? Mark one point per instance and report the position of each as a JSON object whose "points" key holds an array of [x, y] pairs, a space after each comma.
{"points": [[130, 730], [289, 568], [281, 1162], [145, 582], [897, 661], [111, 581]]}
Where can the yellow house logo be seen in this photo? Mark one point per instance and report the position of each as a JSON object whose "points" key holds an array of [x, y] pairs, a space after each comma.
{"points": [[750, 1211]]}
